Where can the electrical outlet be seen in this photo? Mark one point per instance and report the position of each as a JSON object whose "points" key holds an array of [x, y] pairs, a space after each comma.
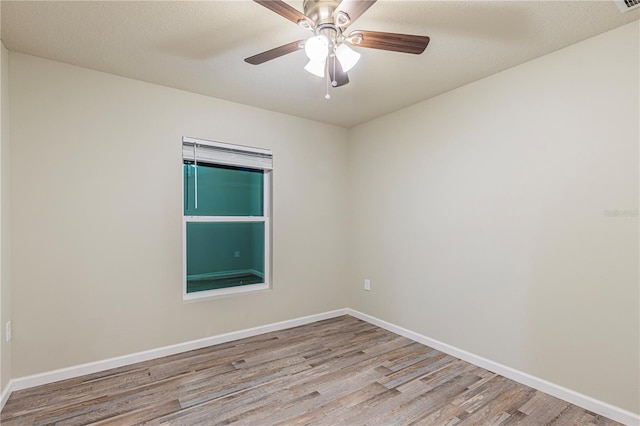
{"points": [[7, 331], [367, 285], [236, 253]]}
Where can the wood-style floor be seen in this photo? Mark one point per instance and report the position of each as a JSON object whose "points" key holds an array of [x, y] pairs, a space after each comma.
{"points": [[341, 371]]}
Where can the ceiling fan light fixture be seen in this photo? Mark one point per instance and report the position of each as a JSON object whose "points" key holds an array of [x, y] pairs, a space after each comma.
{"points": [[347, 56], [317, 48], [329, 49], [316, 67]]}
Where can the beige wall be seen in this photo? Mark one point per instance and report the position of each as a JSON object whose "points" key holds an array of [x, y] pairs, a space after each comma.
{"points": [[5, 210], [479, 217], [97, 215]]}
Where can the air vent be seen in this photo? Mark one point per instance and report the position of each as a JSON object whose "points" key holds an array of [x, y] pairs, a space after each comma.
{"points": [[627, 5]]}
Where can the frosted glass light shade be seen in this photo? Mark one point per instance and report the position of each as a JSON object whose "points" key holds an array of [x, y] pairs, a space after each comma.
{"points": [[317, 48], [347, 57], [316, 67]]}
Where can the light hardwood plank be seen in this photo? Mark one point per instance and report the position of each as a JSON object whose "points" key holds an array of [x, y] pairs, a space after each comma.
{"points": [[340, 371]]}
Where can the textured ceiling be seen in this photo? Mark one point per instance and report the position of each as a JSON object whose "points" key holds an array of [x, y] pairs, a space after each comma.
{"points": [[200, 47]]}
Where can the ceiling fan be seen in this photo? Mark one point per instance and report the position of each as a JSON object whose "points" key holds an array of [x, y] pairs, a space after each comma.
{"points": [[329, 48]]}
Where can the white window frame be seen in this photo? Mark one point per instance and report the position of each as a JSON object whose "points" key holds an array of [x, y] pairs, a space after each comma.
{"points": [[232, 155]]}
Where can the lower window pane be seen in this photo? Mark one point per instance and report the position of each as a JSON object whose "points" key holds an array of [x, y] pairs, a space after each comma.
{"points": [[224, 254]]}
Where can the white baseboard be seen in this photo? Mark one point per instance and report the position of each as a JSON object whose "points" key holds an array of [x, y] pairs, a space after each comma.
{"points": [[615, 413], [6, 393], [94, 367], [586, 402]]}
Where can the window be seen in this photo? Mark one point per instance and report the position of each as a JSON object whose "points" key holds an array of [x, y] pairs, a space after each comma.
{"points": [[226, 226]]}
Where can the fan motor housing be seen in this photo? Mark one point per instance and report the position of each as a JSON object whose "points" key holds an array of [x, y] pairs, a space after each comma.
{"points": [[320, 11]]}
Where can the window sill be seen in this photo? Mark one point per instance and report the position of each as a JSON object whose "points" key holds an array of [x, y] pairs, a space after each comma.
{"points": [[224, 292]]}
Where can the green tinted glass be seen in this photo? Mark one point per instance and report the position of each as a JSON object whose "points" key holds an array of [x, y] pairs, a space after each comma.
{"points": [[224, 254], [222, 190]]}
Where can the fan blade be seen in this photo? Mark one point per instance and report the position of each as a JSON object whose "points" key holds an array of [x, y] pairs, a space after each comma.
{"points": [[275, 53], [404, 43], [335, 72], [353, 8], [283, 9]]}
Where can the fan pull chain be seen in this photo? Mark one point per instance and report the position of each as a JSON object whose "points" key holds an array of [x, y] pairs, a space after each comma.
{"points": [[334, 83], [327, 96]]}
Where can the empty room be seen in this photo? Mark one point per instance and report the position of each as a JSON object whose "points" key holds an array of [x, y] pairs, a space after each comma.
{"points": [[320, 212]]}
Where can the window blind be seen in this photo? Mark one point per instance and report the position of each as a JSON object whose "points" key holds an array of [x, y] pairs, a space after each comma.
{"points": [[222, 153]]}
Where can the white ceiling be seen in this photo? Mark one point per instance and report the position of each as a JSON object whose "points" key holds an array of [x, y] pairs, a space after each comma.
{"points": [[200, 47]]}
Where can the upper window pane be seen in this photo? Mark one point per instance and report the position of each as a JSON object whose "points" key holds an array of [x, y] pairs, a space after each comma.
{"points": [[222, 190]]}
